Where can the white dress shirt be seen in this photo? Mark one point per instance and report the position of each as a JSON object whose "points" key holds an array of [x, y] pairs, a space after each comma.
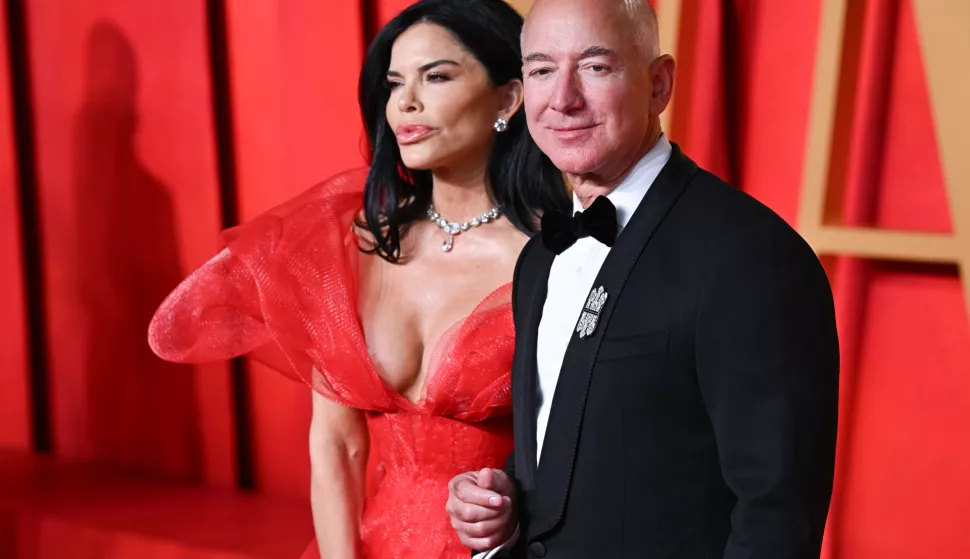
{"points": [[570, 280]]}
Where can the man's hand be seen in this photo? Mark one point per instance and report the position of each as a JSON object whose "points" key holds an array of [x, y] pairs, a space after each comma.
{"points": [[481, 506]]}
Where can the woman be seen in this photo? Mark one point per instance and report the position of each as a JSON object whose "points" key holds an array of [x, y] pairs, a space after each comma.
{"points": [[388, 290]]}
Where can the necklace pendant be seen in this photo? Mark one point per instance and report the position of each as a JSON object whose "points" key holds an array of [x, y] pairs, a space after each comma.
{"points": [[447, 245], [452, 229]]}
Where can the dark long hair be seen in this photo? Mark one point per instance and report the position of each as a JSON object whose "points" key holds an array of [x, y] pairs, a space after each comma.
{"points": [[522, 180]]}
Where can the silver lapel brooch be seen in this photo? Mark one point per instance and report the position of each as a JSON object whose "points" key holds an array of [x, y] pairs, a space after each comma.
{"points": [[591, 312]]}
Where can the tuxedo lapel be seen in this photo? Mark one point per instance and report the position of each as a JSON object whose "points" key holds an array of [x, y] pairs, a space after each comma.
{"points": [[566, 416], [526, 372]]}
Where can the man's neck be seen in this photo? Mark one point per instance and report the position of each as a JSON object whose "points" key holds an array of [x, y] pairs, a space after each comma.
{"points": [[588, 186]]}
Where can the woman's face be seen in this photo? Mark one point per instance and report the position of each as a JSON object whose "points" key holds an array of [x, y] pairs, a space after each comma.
{"points": [[442, 106]]}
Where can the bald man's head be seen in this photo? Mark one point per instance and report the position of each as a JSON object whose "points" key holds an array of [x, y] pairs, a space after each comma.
{"points": [[595, 84], [644, 20], [638, 14]]}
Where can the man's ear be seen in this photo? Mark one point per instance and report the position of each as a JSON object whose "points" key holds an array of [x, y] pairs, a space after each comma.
{"points": [[662, 73]]}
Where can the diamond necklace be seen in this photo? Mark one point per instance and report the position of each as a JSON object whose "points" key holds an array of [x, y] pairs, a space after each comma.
{"points": [[454, 229]]}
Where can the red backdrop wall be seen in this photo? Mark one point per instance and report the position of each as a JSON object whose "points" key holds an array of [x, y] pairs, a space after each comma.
{"points": [[147, 126], [14, 401], [128, 202]]}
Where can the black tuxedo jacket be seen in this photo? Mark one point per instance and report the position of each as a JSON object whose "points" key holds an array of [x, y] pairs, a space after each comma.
{"points": [[698, 420]]}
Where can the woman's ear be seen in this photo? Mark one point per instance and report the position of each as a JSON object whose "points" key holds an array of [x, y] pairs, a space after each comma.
{"points": [[510, 99]]}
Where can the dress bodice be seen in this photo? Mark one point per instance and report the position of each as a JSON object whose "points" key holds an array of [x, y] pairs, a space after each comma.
{"points": [[284, 288]]}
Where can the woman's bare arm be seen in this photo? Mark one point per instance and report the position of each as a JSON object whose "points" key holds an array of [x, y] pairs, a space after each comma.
{"points": [[338, 459]]}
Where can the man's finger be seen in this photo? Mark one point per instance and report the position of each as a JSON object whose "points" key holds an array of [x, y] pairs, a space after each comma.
{"points": [[482, 536], [485, 478], [465, 512], [468, 492], [494, 528], [496, 480]]}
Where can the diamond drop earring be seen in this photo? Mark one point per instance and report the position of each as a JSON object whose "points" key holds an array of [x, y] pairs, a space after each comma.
{"points": [[501, 125]]}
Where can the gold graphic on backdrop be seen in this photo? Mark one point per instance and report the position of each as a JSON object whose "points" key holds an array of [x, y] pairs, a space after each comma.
{"points": [[522, 6], [945, 42]]}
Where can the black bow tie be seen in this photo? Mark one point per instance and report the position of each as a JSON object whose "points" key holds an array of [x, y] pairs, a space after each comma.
{"points": [[560, 231]]}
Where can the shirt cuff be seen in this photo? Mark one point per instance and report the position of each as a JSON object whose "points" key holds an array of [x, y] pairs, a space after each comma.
{"points": [[493, 552]]}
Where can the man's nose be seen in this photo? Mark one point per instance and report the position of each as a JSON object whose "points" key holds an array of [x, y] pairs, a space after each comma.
{"points": [[568, 95]]}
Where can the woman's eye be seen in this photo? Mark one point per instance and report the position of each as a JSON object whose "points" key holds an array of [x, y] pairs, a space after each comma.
{"points": [[391, 84], [438, 77]]}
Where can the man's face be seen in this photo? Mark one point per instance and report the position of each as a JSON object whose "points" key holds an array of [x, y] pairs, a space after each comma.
{"points": [[587, 88]]}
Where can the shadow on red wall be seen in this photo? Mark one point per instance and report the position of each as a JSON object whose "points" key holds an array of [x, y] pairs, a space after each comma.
{"points": [[142, 410]]}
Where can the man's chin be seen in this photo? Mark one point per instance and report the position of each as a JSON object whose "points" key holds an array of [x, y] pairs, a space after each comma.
{"points": [[575, 163]]}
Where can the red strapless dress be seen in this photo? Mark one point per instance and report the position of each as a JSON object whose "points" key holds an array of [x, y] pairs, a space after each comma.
{"points": [[285, 287]]}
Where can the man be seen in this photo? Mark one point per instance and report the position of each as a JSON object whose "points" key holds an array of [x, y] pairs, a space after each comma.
{"points": [[676, 371]]}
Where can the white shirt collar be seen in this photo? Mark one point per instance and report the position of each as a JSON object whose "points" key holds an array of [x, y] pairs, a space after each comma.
{"points": [[630, 192]]}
